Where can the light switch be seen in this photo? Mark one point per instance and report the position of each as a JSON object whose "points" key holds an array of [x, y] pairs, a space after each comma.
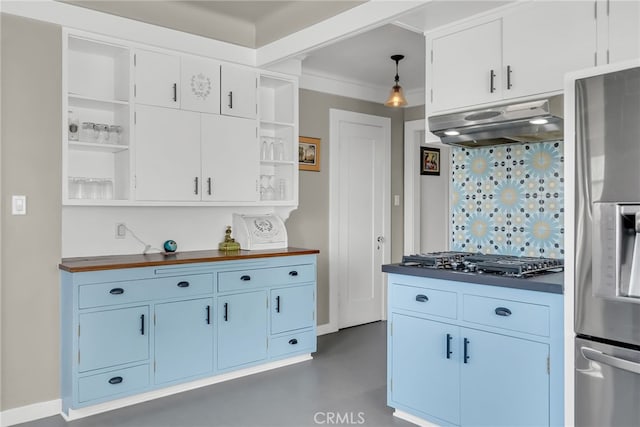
{"points": [[396, 200], [18, 205]]}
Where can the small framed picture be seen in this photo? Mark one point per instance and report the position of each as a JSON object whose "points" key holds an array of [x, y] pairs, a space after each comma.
{"points": [[309, 154], [429, 161]]}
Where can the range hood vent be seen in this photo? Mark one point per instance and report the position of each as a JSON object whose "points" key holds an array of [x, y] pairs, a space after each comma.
{"points": [[526, 122]]}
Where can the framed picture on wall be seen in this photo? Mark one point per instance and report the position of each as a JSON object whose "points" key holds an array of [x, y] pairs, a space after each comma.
{"points": [[429, 161], [309, 154]]}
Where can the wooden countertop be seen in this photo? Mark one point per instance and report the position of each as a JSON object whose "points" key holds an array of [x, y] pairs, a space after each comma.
{"points": [[114, 262]]}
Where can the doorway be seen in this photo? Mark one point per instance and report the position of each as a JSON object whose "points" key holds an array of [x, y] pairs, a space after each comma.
{"points": [[360, 216]]}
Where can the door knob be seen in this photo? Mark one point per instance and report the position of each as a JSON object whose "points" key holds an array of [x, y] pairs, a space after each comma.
{"points": [[380, 239]]}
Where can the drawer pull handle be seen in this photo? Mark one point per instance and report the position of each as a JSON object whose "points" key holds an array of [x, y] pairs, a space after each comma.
{"points": [[208, 315], [278, 304], [293, 341], [116, 291], [449, 337], [226, 312], [466, 350], [142, 324], [293, 273], [245, 278], [503, 311], [422, 298], [115, 380], [175, 92], [183, 284]]}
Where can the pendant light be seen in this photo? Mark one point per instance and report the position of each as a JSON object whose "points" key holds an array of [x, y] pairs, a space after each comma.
{"points": [[396, 97]]}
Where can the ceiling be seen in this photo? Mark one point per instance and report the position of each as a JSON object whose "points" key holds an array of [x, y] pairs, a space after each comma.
{"points": [[362, 59]]}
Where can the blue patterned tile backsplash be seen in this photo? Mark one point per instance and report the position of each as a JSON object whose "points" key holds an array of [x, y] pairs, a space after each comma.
{"points": [[508, 200]]}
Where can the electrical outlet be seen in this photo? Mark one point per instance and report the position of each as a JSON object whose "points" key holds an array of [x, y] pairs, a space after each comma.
{"points": [[121, 230]]}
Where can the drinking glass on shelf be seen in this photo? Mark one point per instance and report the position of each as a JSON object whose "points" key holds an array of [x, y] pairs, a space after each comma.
{"points": [[115, 134], [88, 132], [279, 150], [77, 188], [94, 190], [102, 133], [107, 189], [282, 189]]}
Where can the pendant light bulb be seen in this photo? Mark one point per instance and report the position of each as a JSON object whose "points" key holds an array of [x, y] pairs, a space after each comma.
{"points": [[396, 96]]}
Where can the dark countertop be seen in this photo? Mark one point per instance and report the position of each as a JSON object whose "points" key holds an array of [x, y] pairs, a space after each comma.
{"points": [[548, 282], [114, 262]]}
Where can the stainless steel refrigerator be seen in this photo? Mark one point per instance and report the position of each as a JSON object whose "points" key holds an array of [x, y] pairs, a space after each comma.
{"points": [[607, 248]]}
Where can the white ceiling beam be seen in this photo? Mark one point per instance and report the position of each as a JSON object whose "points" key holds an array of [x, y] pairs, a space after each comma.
{"points": [[354, 21]]}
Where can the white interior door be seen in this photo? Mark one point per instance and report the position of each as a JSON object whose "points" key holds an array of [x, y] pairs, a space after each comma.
{"points": [[360, 215]]}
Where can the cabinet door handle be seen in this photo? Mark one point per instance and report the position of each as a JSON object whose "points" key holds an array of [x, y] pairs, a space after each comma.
{"points": [[278, 304], [503, 311], [183, 284], [142, 324], [116, 291], [115, 380], [208, 315], [422, 298], [195, 190], [226, 312], [449, 337], [293, 273], [293, 341], [231, 100], [209, 186], [175, 92], [491, 81], [466, 350], [509, 77], [245, 278]]}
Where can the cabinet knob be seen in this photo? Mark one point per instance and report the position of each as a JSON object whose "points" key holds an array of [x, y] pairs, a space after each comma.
{"points": [[503, 311], [293, 341], [115, 380], [422, 298], [466, 350], [116, 291], [293, 273], [245, 278], [183, 284]]}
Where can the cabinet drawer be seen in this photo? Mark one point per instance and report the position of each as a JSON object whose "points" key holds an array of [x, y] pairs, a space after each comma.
{"points": [[248, 279], [424, 300], [112, 293], [113, 383], [298, 342], [506, 314]]}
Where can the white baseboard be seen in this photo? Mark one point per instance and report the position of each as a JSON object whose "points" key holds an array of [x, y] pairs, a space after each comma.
{"points": [[413, 419], [75, 414], [31, 412], [327, 328]]}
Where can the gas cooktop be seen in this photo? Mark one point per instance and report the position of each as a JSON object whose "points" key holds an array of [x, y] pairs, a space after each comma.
{"points": [[469, 262]]}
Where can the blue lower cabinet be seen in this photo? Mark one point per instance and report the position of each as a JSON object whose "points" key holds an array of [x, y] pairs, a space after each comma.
{"points": [[292, 308], [242, 328], [504, 380], [482, 356], [425, 367], [183, 339], [134, 330], [113, 337]]}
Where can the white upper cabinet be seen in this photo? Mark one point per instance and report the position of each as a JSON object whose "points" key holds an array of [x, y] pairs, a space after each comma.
{"points": [[466, 67], [157, 79], [230, 159], [167, 166], [238, 91], [200, 85], [543, 41], [618, 31], [520, 51]]}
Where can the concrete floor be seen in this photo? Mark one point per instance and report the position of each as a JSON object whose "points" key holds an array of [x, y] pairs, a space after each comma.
{"points": [[345, 384]]}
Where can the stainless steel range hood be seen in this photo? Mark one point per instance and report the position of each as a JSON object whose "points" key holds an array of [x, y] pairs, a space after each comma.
{"points": [[525, 122]]}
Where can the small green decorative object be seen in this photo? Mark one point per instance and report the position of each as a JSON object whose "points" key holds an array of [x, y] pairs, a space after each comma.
{"points": [[229, 243]]}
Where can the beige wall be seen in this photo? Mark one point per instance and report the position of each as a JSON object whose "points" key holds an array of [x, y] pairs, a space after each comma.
{"points": [[309, 225], [414, 113], [31, 165]]}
